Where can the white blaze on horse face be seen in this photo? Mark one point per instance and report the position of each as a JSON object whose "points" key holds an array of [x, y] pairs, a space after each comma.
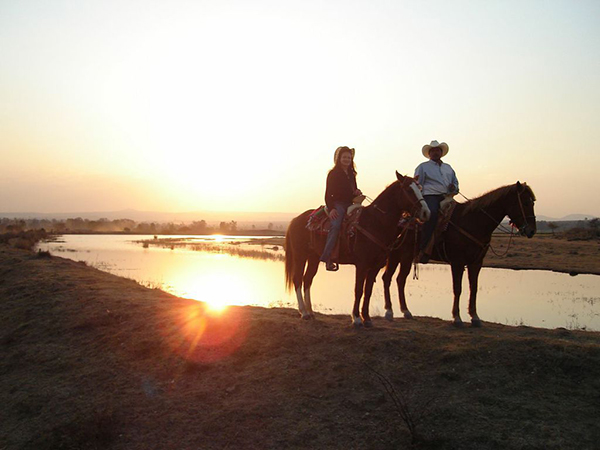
{"points": [[424, 212]]}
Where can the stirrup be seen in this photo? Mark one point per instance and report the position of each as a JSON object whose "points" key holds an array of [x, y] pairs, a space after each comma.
{"points": [[332, 266]]}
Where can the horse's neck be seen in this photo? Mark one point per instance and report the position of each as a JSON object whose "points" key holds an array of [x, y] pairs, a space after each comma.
{"points": [[486, 220], [382, 216]]}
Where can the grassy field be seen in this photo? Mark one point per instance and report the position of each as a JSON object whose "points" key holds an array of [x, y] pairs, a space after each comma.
{"points": [[94, 361]]}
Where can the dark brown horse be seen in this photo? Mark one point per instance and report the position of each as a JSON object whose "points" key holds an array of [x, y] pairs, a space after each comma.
{"points": [[376, 232], [464, 243]]}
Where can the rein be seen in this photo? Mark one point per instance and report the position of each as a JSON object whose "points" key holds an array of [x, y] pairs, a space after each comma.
{"points": [[386, 248], [374, 205], [523, 210], [412, 202], [469, 235], [510, 232], [392, 246]]}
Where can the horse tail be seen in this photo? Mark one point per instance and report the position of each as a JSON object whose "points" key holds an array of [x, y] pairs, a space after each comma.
{"points": [[289, 258]]}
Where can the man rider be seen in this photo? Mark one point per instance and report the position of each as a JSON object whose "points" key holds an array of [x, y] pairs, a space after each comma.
{"points": [[438, 180]]}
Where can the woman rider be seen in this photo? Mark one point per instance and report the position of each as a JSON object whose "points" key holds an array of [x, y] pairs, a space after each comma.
{"points": [[341, 189]]}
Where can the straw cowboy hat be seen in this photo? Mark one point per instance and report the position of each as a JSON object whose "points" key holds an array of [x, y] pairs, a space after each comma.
{"points": [[339, 150], [435, 144]]}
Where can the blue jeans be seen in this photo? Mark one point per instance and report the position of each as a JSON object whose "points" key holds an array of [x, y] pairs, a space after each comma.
{"points": [[433, 202], [334, 231]]}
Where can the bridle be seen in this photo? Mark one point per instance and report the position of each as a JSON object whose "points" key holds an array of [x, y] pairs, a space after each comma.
{"points": [[416, 203], [525, 217], [521, 229], [511, 222]]}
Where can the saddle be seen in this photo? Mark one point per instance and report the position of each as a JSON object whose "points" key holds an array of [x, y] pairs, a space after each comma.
{"points": [[445, 214], [319, 225]]}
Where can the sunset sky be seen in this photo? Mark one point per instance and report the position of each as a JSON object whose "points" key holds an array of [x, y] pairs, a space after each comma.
{"points": [[239, 105]]}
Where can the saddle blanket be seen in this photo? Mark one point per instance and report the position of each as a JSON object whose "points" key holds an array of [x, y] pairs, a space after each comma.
{"points": [[319, 223]]}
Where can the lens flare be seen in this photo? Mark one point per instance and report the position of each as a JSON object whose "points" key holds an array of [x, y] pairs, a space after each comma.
{"points": [[205, 333]]}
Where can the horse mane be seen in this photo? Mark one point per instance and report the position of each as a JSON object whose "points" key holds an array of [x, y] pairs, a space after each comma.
{"points": [[385, 193], [491, 197]]}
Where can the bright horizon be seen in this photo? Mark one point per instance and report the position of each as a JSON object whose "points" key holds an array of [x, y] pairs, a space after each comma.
{"points": [[239, 105]]}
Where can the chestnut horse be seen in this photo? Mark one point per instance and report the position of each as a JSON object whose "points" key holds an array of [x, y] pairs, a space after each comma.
{"points": [[464, 243], [376, 233]]}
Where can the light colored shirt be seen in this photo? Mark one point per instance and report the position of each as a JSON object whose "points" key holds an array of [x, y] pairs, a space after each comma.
{"points": [[435, 178]]}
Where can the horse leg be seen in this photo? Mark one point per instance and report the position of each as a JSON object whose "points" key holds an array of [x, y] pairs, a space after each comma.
{"points": [[297, 279], [359, 283], [401, 282], [370, 280], [457, 274], [390, 268], [311, 271], [473, 271]]}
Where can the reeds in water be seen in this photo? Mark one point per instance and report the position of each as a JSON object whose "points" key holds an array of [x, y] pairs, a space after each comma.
{"points": [[209, 247]]}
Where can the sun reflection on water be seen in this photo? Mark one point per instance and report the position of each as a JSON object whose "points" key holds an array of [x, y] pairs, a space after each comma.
{"points": [[219, 280]]}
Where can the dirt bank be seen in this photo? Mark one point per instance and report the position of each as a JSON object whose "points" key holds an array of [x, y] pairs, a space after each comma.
{"points": [[90, 360]]}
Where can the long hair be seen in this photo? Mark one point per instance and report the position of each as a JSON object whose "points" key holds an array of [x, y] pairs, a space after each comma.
{"points": [[338, 157]]}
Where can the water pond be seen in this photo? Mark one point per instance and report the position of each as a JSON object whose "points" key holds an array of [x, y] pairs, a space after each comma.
{"points": [[533, 297]]}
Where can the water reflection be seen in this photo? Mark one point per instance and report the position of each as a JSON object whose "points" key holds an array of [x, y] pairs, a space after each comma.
{"points": [[536, 298]]}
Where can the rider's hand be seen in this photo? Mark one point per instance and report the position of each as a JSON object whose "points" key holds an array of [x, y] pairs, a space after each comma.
{"points": [[333, 214], [357, 192]]}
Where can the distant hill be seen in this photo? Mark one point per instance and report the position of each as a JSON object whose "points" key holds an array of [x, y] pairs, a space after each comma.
{"points": [[569, 217]]}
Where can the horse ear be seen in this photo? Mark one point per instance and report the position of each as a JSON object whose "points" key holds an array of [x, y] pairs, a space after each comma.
{"points": [[519, 186], [400, 177]]}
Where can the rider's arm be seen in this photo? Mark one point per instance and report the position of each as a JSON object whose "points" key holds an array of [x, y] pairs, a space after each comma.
{"points": [[454, 182]]}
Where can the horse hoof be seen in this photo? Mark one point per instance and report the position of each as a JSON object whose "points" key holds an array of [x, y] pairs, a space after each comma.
{"points": [[458, 323], [476, 323], [389, 315], [368, 323], [408, 315], [306, 317], [357, 322]]}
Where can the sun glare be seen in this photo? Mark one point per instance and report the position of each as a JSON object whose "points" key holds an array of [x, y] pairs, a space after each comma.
{"points": [[217, 305]]}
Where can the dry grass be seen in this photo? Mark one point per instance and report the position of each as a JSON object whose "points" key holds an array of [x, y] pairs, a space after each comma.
{"points": [[230, 248], [90, 360], [545, 252], [24, 240]]}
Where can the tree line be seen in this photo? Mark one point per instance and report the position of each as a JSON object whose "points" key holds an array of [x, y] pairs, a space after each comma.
{"points": [[79, 225]]}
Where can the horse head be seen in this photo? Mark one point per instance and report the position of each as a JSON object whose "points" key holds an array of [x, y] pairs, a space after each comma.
{"points": [[521, 211], [411, 193]]}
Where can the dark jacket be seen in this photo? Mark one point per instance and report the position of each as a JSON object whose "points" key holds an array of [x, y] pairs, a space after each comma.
{"points": [[340, 187]]}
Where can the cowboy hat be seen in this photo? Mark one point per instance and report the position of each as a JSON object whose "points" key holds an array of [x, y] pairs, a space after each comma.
{"points": [[443, 146], [339, 150]]}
